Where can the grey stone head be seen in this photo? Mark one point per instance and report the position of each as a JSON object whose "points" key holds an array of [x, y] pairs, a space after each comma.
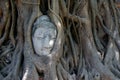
{"points": [[43, 35]]}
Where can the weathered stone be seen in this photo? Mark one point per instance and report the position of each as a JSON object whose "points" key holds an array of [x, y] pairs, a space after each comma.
{"points": [[44, 35]]}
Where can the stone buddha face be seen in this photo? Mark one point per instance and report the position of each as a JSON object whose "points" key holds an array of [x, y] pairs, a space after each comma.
{"points": [[44, 35]]}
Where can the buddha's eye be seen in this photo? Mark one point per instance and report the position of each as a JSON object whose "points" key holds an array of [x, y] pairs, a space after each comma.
{"points": [[53, 38], [39, 37]]}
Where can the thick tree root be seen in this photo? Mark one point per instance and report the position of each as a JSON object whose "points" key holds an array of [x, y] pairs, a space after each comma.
{"points": [[87, 46]]}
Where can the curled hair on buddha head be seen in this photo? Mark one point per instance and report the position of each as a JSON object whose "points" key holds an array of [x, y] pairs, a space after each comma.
{"points": [[42, 18], [43, 21]]}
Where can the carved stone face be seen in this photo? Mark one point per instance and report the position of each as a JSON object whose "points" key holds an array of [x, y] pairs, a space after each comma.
{"points": [[44, 37]]}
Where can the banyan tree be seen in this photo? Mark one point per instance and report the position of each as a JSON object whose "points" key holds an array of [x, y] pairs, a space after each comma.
{"points": [[59, 40]]}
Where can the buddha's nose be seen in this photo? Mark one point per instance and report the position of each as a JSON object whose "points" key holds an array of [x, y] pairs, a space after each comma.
{"points": [[46, 41]]}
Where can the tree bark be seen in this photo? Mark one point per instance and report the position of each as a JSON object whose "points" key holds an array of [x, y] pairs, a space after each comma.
{"points": [[87, 45]]}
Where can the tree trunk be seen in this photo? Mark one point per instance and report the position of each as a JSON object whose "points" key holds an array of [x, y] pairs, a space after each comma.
{"points": [[87, 45]]}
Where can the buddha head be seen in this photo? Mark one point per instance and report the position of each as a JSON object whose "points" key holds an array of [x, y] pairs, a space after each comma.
{"points": [[43, 35]]}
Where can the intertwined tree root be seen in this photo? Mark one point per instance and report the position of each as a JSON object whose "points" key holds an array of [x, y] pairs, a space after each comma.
{"points": [[87, 46]]}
